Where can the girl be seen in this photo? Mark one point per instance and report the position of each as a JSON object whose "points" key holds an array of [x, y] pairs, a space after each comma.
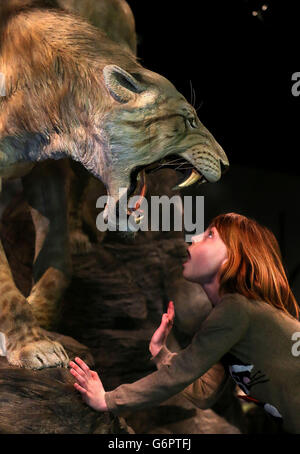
{"points": [[248, 336]]}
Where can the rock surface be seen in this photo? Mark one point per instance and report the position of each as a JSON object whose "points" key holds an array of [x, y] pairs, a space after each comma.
{"points": [[45, 401]]}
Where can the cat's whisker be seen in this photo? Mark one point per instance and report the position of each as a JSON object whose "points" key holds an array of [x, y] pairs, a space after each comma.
{"points": [[199, 107]]}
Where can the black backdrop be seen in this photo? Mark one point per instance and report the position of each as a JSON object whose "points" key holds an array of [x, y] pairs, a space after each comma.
{"points": [[240, 57], [240, 65]]}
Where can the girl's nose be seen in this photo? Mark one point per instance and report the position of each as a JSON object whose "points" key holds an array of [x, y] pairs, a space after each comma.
{"points": [[197, 238]]}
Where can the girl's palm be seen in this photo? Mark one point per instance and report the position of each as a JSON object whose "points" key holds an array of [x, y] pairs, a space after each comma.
{"points": [[89, 384], [160, 336]]}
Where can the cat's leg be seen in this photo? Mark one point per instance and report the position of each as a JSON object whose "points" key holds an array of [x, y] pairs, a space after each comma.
{"points": [[45, 191], [22, 340], [78, 179], [25, 343]]}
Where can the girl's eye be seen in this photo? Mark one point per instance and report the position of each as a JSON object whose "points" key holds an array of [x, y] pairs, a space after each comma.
{"points": [[210, 233]]}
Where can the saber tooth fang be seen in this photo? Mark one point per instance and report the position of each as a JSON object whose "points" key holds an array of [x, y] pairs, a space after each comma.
{"points": [[191, 179]]}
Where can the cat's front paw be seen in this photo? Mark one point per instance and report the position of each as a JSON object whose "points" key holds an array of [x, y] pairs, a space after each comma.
{"points": [[39, 355]]}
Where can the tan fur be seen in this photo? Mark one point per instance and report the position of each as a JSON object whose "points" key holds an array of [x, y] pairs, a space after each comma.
{"points": [[43, 78], [45, 296], [30, 83], [26, 345], [114, 17]]}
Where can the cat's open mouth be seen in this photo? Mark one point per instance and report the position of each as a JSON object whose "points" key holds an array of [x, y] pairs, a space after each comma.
{"points": [[138, 177]]}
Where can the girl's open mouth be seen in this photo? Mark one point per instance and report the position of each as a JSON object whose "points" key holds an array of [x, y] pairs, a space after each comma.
{"points": [[188, 257]]}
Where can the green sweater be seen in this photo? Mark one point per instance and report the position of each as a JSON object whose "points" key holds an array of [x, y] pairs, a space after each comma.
{"points": [[246, 340]]}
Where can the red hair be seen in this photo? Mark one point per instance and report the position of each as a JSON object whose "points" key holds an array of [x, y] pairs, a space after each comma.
{"points": [[254, 267]]}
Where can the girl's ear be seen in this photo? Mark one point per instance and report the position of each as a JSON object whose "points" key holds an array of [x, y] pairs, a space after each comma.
{"points": [[224, 261], [122, 86]]}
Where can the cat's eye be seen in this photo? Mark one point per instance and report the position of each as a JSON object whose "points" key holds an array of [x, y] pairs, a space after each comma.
{"points": [[192, 122]]}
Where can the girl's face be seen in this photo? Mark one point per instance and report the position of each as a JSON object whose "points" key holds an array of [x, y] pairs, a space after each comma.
{"points": [[206, 255]]}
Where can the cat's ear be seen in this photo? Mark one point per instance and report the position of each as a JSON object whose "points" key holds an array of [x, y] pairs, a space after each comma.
{"points": [[122, 86]]}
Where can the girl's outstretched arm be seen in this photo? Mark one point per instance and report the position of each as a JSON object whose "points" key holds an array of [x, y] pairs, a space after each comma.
{"points": [[224, 327], [89, 385]]}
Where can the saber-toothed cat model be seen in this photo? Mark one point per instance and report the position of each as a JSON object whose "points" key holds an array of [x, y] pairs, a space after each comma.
{"points": [[73, 92]]}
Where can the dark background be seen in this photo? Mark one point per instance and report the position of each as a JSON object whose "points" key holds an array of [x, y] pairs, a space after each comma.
{"points": [[240, 66]]}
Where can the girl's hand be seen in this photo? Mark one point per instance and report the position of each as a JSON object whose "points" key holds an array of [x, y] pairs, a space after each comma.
{"points": [[89, 384], [160, 336]]}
